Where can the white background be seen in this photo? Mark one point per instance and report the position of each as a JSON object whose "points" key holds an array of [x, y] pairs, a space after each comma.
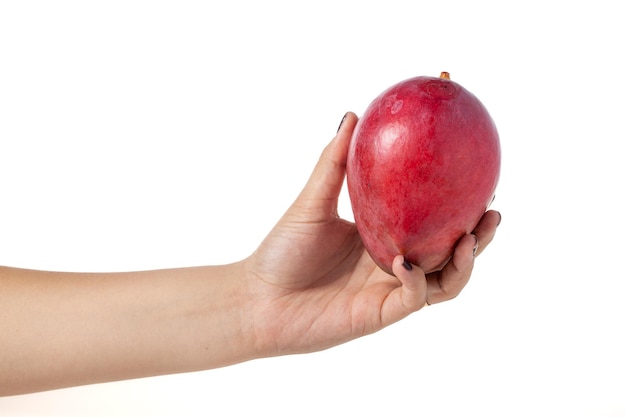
{"points": [[140, 135]]}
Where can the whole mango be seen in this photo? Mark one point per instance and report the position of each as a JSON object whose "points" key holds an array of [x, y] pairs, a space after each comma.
{"points": [[422, 168]]}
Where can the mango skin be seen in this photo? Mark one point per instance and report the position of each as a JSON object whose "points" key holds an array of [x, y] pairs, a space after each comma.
{"points": [[422, 169]]}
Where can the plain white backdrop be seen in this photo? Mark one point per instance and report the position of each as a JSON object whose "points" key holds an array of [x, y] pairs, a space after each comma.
{"points": [[150, 134]]}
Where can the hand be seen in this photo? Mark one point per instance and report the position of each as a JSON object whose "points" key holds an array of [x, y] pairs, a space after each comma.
{"points": [[312, 285]]}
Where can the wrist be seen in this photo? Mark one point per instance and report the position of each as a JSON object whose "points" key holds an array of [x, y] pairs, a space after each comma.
{"points": [[227, 317]]}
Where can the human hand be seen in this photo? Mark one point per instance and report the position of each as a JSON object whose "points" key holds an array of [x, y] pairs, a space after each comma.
{"points": [[312, 285]]}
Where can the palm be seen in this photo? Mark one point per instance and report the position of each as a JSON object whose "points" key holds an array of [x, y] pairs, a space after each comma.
{"points": [[324, 289]]}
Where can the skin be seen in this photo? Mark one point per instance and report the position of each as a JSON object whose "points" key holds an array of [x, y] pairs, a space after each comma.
{"points": [[310, 285]]}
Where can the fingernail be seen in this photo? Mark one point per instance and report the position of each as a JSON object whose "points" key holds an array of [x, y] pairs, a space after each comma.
{"points": [[500, 220], [407, 265], [342, 120], [475, 246]]}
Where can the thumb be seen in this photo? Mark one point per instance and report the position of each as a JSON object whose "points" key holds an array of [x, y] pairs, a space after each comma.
{"points": [[324, 184]]}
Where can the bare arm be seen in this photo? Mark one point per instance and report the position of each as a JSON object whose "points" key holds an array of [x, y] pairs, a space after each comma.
{"points": [[65, 329], [310, 285]]}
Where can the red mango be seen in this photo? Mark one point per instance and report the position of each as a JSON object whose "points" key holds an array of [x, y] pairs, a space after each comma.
{"points": [[422, 168]]}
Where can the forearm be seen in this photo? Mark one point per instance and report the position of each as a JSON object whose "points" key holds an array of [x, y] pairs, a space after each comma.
{"points": [[66, 329]]}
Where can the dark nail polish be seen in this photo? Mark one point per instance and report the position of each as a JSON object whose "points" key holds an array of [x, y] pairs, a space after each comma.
{"points": [[500, 219], [475, 246], [407, 265], [342, 120]]}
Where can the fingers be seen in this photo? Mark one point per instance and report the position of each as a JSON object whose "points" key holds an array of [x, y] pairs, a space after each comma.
{"points": [[418, 289], [446, 284], [327, 178], [486, 229]]}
